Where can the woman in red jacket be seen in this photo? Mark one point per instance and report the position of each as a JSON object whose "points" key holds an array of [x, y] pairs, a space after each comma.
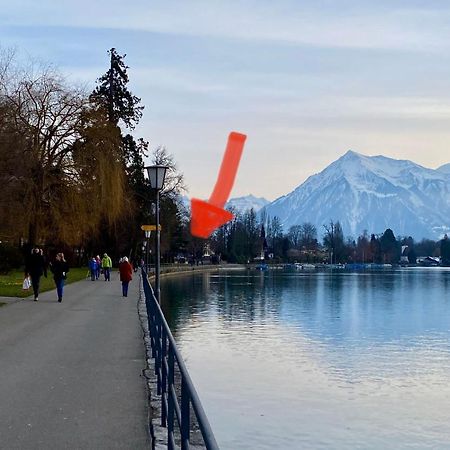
{"points": [[126, 275]]}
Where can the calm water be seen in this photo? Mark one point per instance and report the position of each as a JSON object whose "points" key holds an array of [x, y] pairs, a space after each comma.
{"points": [[320, 360]]}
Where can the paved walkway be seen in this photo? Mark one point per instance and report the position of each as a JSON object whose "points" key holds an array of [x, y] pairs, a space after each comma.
{"points": [[70, 372]]}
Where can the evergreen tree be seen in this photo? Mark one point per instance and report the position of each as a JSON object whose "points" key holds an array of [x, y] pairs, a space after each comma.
{"points": [[113, 94], [375, 249], [445, 251], [427, 247], [389, 247], [123, 108]]}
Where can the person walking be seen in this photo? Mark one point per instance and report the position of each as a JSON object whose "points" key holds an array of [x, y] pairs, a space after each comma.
{"points": [[107, 266], [35, 267], [126, 275], [93, 268], [59, 269], [99, 267]]}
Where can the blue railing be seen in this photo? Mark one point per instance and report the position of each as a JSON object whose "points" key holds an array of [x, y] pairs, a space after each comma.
{"points": [[173, 381]]}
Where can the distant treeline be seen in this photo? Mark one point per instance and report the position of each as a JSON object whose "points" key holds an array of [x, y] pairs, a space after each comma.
{"points": [[248, 238]]}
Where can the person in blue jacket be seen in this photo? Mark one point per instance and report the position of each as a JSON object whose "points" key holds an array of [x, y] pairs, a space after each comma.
{"points": [[93, 266]]}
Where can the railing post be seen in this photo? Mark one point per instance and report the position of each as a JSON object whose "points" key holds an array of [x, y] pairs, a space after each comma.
{"points": [[158, 358], [170, 399], [185, 415], [164, 378]]}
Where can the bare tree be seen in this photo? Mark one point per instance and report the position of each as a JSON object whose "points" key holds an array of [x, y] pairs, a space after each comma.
{"points": [[308, 236], [174, 181], [333, 240], [294, 235], [60, 168]]}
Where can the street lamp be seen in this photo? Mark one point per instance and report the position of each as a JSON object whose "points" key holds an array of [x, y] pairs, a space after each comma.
{"points": [[156, 175]]}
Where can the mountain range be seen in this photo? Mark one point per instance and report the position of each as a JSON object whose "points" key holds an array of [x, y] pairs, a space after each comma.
{"points": [[239, 204], [371, 193], [246, 203]]}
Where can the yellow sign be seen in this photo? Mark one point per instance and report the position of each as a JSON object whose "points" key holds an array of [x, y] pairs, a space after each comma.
{"points": [[149, 227]]}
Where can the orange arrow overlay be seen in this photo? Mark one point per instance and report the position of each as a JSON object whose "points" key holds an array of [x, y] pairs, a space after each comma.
{"points": [[207, 216]]}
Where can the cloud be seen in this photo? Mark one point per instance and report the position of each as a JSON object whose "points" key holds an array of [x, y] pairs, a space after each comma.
{"points": [[286, 22]]}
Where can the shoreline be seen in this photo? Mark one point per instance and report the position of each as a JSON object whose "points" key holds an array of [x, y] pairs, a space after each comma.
{"points": [[177, 271]]}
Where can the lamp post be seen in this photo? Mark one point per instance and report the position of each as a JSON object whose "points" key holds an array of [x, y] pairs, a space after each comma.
{"points": [[156, 175]]}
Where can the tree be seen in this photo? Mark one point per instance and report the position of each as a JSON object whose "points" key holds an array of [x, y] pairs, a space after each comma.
{"points": [[48, 115], [53, 160], [123, 109], [363, 248], [333, 241], [409, 251], [445, 251], [389, 248], [294, 235], [427, 247], [174, 181], [113, 94], [308, 236], [14, 171], [375, 249], [275, 236], [97, 155], [171, 209]]}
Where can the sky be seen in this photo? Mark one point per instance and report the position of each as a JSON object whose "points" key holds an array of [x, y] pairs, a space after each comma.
{"points": [[304, 80]]}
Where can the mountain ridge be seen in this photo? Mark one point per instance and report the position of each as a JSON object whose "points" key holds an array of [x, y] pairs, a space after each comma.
{"points": [[371, 193], [240, 204]]}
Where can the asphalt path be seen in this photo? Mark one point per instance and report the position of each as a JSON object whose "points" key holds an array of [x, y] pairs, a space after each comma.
{"points": [[71, 372]]}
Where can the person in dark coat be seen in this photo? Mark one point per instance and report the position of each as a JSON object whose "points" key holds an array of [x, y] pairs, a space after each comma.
{"points": [[59, 269], [126, 275], [35, 267]]}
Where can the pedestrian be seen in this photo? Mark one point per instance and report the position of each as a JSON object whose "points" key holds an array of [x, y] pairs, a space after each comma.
{"points": [[59, 269], [35, 267], [107, 266], [93, 268], [126, 275], [99, 267]]}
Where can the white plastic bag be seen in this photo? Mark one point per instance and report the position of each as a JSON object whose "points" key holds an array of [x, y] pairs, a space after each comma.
{"points": [[26, 284]]}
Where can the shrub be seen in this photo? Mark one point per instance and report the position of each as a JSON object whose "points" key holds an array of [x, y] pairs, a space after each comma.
{"points": [[10, 258]]}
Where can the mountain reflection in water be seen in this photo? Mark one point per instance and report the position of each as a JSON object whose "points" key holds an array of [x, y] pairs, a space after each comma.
{"points": [[318, 360]]}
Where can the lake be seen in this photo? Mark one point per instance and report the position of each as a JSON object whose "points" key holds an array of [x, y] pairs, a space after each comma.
{"points": [[297, 360]]}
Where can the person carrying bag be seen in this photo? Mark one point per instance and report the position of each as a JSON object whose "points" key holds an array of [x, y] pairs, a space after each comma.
{"points": [[34, 268]]}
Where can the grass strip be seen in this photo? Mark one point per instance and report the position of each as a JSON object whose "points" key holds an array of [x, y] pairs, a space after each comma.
{"points": [[11, 284]]}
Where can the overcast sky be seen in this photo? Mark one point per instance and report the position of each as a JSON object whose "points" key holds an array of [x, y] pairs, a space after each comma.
{"points": [[305, 80]]}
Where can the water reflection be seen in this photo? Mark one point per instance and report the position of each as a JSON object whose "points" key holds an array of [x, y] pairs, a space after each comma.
{"points": [[347, 360]]}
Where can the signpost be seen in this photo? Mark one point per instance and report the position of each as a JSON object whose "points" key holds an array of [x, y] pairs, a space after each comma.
{"points": [[150, 227]]}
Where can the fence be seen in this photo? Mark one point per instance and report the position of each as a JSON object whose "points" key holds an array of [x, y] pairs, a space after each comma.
{"points": [[173, 381]]}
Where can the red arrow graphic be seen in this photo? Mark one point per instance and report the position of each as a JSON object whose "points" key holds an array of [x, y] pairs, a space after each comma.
{"points": [[207, 216]]}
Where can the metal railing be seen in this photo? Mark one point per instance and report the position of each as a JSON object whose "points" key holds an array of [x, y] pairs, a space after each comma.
{"points": [[172, 376]]}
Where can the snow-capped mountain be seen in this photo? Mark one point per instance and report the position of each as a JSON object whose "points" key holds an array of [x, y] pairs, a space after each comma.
{"points": [[240, 204], [243, 204], [371, 193]]}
